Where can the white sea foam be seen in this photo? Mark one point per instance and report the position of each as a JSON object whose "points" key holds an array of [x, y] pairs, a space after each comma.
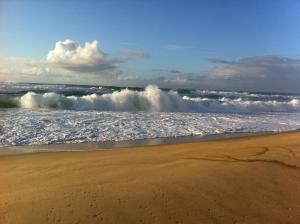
{"points": [[69, 114], [26, 126], [152, 99]]}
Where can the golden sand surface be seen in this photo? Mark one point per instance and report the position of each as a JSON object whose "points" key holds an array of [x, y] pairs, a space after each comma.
{"points": [[242, 180]]}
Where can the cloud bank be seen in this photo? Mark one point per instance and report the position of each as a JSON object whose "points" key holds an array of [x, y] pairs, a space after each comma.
{"points": [[70, 62], [260, 73]]}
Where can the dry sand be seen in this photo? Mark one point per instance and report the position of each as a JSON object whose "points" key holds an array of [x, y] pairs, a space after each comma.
{"points": [[244, 180]]}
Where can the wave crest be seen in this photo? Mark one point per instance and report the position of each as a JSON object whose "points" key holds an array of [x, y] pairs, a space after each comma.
{"points": [[152, 99]]}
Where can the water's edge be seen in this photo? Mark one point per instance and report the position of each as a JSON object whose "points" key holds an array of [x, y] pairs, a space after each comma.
{"points": [[110, 145]]}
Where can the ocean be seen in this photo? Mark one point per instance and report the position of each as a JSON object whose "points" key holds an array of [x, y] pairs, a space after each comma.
{"points": [[35, 114]]}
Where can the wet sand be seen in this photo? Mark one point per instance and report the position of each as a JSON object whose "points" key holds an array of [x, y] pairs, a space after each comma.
{"points": [[241, 180], [90, 146]]}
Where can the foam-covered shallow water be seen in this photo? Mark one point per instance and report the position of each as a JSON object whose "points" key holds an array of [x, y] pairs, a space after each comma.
{"points": [[32, 114], [26, 126]]}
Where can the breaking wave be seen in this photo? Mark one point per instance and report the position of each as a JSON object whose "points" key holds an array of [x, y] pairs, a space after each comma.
{"points": [[151, 99]]}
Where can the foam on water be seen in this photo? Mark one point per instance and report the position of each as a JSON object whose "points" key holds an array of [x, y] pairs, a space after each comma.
{"points": [[46, 114], [26, 126], [152, 99]]}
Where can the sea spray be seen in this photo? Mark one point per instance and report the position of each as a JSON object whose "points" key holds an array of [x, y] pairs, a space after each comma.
{"points": [[45, 114], [153, 99]]}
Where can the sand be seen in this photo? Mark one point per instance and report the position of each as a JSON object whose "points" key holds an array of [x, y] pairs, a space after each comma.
{"points": [[243, 180]]}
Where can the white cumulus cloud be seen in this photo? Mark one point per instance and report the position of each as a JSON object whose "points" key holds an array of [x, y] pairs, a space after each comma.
{"points": [[72, 56], [69, 61]]}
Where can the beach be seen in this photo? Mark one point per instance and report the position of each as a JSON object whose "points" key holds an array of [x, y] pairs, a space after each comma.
{"points": [[149, 112], [240, 180]]}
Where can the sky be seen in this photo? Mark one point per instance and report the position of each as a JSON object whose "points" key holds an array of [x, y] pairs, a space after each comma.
{"points": [[204, 44]]}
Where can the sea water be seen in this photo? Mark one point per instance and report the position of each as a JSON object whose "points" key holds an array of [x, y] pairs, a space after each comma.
{"points": [[32, 114]]}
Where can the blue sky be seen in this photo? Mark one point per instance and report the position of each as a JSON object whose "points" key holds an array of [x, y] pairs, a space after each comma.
{"points": [[178, 35]]}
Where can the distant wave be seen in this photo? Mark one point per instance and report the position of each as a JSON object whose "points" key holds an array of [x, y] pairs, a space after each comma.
{"points": [[151, 99]]}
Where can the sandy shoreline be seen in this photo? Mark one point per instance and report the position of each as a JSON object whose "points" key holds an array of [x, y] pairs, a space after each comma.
{"points": [[243, 180], [104, 145]]}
